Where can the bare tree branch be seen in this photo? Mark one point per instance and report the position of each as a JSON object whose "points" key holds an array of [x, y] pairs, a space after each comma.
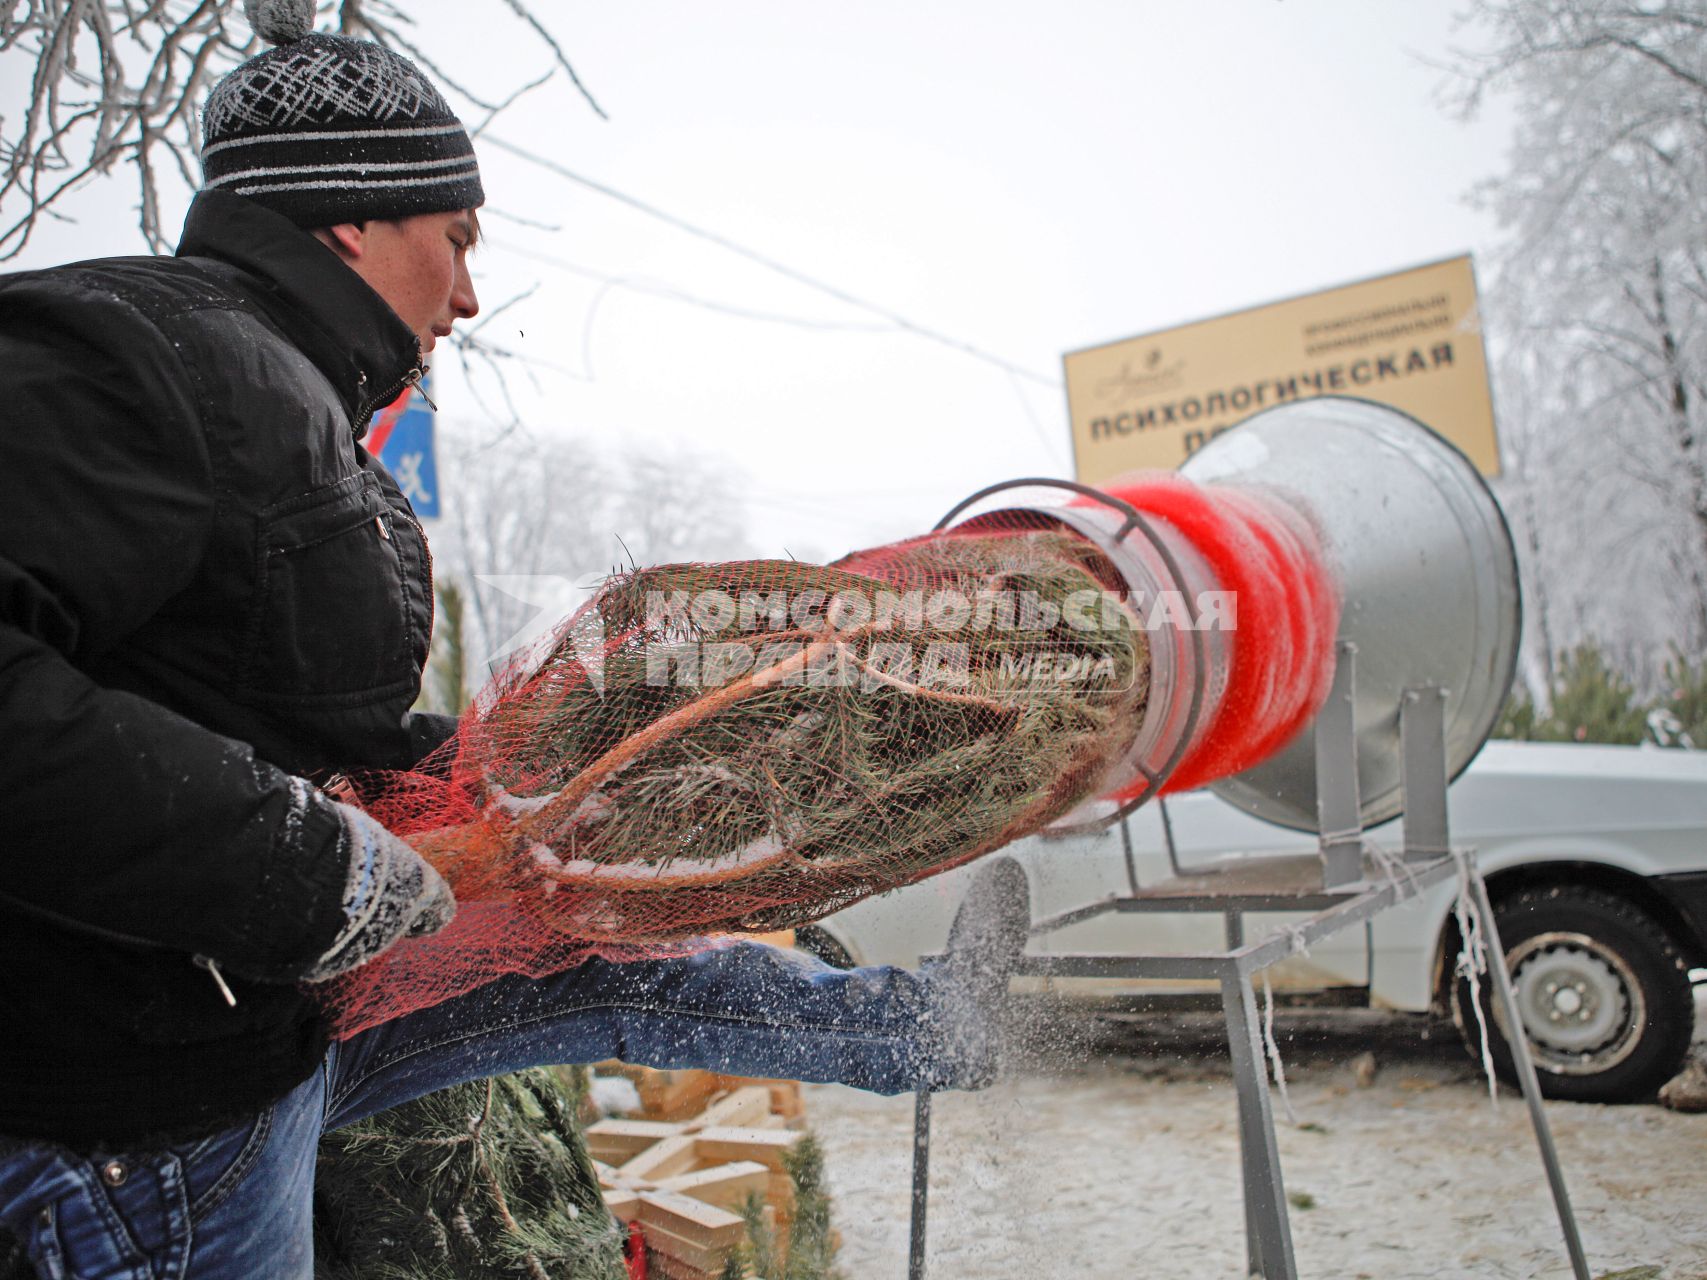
{"points": [[121, 82], [521, 11]]}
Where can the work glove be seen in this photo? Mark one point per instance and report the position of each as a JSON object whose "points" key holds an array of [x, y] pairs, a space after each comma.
{"points": [[390, 893]]}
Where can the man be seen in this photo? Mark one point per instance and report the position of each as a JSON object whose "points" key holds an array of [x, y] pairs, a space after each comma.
{"points": [[212, 596]]}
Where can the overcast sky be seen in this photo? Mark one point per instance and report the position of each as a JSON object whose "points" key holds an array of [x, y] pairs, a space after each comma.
{"points": [[1020, 178]]}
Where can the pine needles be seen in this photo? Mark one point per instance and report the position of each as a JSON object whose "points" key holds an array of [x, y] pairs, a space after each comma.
{"points": [[484, 1181], [751, 745]]}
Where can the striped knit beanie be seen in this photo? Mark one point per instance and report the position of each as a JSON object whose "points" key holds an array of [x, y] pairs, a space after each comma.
{"points": [[325, 129]]}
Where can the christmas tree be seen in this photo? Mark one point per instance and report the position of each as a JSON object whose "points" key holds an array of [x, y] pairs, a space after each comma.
{"points": [[484, 1181]]}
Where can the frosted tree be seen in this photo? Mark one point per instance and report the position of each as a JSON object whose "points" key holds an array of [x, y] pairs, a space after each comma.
{"points": [[99, 87], [1600, 309]]}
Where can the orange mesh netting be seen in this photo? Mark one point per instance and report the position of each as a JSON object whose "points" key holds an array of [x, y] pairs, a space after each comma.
{"points": [[753, 745], [750, 746]]}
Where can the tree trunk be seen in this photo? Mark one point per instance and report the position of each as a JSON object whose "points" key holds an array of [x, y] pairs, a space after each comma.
{"points": [[1679, 416]]}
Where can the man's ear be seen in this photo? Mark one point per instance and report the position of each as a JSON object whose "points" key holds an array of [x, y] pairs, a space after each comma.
{"points": [[346, 239]]}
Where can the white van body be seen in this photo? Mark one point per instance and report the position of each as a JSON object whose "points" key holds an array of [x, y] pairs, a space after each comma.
{"points": [[1629, 821]]}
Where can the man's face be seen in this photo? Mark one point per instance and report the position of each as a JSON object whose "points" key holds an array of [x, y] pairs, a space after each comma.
{"points": [[420, 266]]}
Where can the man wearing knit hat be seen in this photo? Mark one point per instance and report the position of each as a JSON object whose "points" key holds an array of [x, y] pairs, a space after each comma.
{"points": [[212, 597]]}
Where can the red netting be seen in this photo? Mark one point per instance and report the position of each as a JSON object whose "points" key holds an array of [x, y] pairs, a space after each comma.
{"points": [[750, 746], [1281, 652]]}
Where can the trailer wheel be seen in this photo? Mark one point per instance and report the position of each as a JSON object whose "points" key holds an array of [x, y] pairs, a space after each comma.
{"points": [[1602, 990]]}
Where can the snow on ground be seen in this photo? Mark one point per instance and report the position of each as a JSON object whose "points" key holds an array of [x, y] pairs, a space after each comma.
{"points": [[1109, 1150]]}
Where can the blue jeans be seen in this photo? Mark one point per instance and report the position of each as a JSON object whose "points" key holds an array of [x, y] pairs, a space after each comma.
{"points": [[238, 1205]]}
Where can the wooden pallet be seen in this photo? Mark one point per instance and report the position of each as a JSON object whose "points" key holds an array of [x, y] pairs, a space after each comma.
{"points": [[706, 1144]]}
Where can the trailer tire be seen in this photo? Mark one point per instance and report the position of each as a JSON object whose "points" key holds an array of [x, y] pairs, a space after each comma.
{"points": [[1602, 988]]}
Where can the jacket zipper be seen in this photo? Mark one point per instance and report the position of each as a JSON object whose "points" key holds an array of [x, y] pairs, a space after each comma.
{"points": [[413, 378], [212, 966], [410, 380], [426, 550], [426, 547], [365, 411], [124, 939]]}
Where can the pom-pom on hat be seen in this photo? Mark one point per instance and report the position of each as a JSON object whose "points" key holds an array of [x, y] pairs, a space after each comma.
{"points": [[326, 129]]}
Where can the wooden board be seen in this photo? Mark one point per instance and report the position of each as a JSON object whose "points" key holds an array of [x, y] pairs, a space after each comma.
{"points": [[729, 1185], [692, 1220], [618, 1141], [763, 1145], [708, 1145]]}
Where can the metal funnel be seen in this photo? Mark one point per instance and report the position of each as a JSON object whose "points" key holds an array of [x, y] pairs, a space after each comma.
{"points": [[1429, 577]]}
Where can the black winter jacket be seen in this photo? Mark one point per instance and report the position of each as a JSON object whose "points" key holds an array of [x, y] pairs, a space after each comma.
{"points": [[208, 592]]}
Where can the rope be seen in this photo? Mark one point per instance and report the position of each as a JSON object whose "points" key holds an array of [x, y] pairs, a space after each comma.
{"points": [[1397, 871], [1273, 1049], [1472, 960]]}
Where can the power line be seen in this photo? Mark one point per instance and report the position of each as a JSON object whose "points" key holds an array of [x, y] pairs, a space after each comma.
{"points": [[771, 264], [672, 293], [659, 289]]}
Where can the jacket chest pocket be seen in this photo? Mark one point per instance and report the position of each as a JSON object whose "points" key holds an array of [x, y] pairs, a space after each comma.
{"points": [[330, 620]]}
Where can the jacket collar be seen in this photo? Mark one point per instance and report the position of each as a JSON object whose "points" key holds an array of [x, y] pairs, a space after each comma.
{"points": [[350, 333]]}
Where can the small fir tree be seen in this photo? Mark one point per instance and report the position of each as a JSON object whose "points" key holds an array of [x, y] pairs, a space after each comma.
{"points": [[444, 687], [1686, 695], [484, 1181], [1592, 702], [1517, 717], [812, 1243]]}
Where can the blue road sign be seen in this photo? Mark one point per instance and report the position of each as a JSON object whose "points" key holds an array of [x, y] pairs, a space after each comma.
{"points": [[401, 437]]}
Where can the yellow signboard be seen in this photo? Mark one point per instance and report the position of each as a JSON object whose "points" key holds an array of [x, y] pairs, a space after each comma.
{"points": [[1411, 340]]}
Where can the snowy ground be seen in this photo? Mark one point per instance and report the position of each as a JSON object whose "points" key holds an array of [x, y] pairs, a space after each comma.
{"points": [[1109, 1151]]}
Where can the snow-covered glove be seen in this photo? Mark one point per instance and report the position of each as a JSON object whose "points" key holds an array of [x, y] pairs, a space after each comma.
{"points": [[390, 892]]}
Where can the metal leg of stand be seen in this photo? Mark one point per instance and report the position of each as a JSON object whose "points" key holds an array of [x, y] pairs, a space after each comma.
{"points": [[1234, 924], [1525, 1066], [921, 1182], [1268, 1234], [1422, 742], [1338, 812]]}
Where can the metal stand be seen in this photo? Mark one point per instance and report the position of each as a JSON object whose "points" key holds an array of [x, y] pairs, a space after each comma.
{"points": [[921, 1182], [1343, 889]]}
